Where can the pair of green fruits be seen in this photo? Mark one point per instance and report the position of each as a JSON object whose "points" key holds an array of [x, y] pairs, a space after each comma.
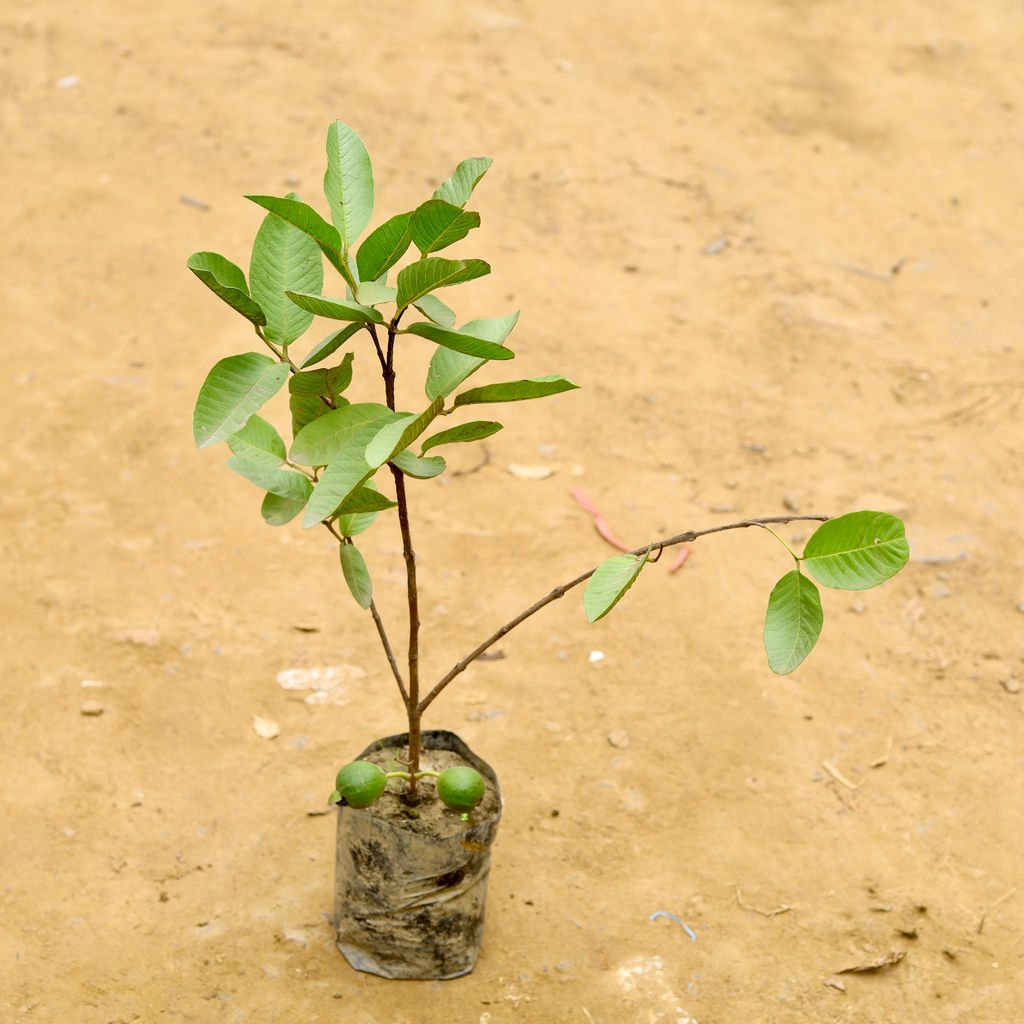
{"points": [[360, 783]]}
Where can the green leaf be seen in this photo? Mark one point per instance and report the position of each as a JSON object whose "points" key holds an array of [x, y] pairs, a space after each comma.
{"points": [[477, 430], [857, 551], [306, 219], [336, 309], [305, 409], [384, 247], [610, 581], [433, 308], [226, 281], [459, 187], [515, 391], [330, 344], [396, 436], [326, 382], [423, 276], [234, 389], [348, 468], [319, 442], [372, 293], [278, 511], [348, 183], [365, 499], [357, 576], [467, 344], [259, 443], [282, 482], [436, 224], [349, 524], [283, 258], [449, 369], [792, 623], [417, 468]]}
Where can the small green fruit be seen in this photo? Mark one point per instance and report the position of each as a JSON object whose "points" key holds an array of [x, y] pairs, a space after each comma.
{"points": [[460, 787], [360, 783]]}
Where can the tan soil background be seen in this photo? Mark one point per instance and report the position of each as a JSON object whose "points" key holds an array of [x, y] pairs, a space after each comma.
{"points": [[854, 340]]}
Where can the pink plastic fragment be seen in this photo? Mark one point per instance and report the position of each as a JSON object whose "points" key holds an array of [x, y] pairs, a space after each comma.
{"points": [[680, 560], [583, 501], [602, 527]]}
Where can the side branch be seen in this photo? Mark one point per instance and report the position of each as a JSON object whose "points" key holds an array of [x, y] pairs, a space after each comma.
{"points": [[554, 595]]}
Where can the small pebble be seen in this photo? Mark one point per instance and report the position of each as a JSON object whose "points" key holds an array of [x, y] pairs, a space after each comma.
{"points": [[1011, 685], [68, 82], [265, 727], [595, 656], [618, 738], [92, 708]]}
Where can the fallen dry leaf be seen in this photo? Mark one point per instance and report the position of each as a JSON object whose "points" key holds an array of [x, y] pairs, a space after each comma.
{"points": [[530, 472], [894, 956]]}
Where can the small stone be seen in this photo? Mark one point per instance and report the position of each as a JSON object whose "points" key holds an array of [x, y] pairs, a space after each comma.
{"points": [[715, 247], [595, 656], [68, 82], [1011, 685], [266, 728], [92, 708], [619, 738], [790, 502], [68, 831], [295, 935], [858, 607], [522, 472]]}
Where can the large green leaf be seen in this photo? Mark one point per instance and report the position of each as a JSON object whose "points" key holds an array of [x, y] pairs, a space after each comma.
{"points": [[610, 581], [515, 391], [467, 344], [436, 224], [459, 187], [423, 276], [357, 576], [417, 468], [278, 511], [259, 443], [431, 306], [306, 219], [282, 482], [234, 389], [857, 551], [477, 430], [320, 441], [347, 470], [226, 281], [792, 623], [330, 344], [396, 436], [449, 369], [284, 258], [336, 309], [384, 247], [348, 183]]}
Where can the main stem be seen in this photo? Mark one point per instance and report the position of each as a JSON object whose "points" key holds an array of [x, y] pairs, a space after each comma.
{"points": [[412, 705]]}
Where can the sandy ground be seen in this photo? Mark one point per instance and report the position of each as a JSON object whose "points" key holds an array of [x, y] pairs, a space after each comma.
{"points": [[778, 244]]}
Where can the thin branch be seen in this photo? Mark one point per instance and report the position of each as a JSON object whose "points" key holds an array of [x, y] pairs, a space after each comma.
{"points": [[378, 622], [281, 354], [380, 351], [554, 595]]}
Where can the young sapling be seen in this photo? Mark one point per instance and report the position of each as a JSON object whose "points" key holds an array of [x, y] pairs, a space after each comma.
{"points": [[332, 474]]}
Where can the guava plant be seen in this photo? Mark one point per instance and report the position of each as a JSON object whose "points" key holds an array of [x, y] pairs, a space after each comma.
{"points": [[334, 471]]}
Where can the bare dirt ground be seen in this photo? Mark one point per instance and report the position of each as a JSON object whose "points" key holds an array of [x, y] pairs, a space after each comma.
{"points": [[779, 246]]}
